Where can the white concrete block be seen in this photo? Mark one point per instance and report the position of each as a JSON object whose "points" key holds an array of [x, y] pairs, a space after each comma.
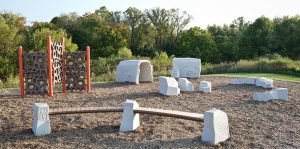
{"points": [[216, 128], [134, 71], [168, 86], [186, 67], [250, 81], [278, 93], [205, 86], [185, 85], [130, 120], [260, 81], [264, 82], [41, 122]]}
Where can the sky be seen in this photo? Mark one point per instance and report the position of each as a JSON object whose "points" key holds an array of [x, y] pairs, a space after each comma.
{"points": [[204, 12]]}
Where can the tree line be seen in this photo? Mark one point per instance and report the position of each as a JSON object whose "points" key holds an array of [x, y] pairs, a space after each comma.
{"points": [[150, 31]]}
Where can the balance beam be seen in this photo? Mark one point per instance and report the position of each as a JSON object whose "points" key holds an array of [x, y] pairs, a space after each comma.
{"points": [[216, 127], [170, 113], [59, 111]]}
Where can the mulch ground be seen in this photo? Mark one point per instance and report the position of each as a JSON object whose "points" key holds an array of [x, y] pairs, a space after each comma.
{"points": [[274, 124]]}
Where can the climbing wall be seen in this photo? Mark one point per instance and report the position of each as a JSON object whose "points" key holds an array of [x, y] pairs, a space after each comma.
{"points": [[57, 52], [35, 72], [75, 70]]}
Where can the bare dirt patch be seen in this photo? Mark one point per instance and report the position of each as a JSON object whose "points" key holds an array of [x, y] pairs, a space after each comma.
{"points": [[274, 124]]}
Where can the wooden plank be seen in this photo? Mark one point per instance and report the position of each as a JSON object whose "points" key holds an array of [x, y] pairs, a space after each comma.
{"points": [[58, 111], [170, 113]]}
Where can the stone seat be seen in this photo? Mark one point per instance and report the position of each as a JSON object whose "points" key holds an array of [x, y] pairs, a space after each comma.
{"points": [[168, 86], [185, 85]]}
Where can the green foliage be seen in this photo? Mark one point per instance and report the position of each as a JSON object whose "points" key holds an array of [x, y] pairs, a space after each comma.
{"points": [[102, 66], [196, 43], [39, 39], [162, 62], [11, 82], [11, 29], [124, 54], [269, 64]]}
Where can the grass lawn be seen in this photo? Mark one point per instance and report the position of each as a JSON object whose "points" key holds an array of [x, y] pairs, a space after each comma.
{"points": [[283, 77]]}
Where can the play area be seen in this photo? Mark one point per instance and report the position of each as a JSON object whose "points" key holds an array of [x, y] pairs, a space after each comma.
{"points": [[95, 119]]}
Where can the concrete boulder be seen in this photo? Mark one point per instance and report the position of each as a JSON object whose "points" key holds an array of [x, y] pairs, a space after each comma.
{"points": [[185, 85], [41, 122], [205, 86], [259, 81], [186, 68], [264, 82], [130, 120], [216, 127], [134, 71], [168, 86], [278, 93], [250, 81]]}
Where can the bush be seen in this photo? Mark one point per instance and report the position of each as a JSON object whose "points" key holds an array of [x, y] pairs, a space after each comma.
{"points": [[124, 54], [162, 62], [268, 64]]}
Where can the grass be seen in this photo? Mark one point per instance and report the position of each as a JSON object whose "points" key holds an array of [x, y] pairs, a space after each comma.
{"points": [[276, 76]]}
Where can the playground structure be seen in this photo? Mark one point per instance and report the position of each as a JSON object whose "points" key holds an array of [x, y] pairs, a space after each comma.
{"points": [[134, 71], [41, 70], [216, 127]]}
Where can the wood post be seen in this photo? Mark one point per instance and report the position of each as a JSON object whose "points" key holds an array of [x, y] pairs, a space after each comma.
{"points": [[50, 67], [88, 79], [21, 72], [64, 87]]}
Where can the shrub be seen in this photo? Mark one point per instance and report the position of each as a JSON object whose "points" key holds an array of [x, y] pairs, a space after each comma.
{"points": [[268, 64], [125, 53]]}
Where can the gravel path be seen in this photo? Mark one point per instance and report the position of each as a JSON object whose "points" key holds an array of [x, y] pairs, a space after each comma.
{"points": [[274, 124]]}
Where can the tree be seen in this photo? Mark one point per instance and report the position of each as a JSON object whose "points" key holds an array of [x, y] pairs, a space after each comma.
{"points": [[256, 40], [133, 18], [39, 39], [12, 28], [196, 43], [287, 36], [159, 18]]}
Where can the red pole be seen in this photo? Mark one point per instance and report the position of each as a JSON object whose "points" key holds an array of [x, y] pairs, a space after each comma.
{"points": [[64, 87], [50, 67], [21, 71], [88, 79]]}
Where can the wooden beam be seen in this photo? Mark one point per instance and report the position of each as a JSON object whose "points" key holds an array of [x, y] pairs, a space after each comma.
{"points": [[58, 111], [170, 113]]}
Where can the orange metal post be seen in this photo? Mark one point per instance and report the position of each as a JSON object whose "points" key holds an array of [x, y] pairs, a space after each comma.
{"points": [[88, 79], [50, 67], [21, 71], [64, 87]]}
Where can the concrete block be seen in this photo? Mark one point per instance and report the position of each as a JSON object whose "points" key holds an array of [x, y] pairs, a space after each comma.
{"points": [[130, 120], [278, 93], [41, 122], [134, 71], [216, 128], [168, 86], [186, 68], [250, 81], [205, 86], [264, 82], [185, 85]]}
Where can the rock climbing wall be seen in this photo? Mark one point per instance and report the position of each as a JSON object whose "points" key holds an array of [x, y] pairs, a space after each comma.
{"points": [[57, 52], [35, 72], [75, 70]]}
